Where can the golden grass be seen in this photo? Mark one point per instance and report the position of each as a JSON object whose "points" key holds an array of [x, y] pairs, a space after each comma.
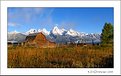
{"points": [[61, 57]]}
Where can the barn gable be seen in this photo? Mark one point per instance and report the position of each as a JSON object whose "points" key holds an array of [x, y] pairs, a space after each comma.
{"points": [[39, 40]]}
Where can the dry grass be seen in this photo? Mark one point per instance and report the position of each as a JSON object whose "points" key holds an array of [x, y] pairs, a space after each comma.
{"points": [[61, 57]]}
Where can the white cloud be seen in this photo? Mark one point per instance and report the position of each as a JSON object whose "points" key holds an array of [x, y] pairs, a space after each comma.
{"points": [[29, 15], [13, 24], [25, 13]]}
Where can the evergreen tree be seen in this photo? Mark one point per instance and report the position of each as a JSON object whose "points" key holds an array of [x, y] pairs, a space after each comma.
{"points": [[107, 34]]}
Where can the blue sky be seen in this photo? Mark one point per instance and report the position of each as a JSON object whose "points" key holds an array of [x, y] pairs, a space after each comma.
{"points": [[88, 20]]}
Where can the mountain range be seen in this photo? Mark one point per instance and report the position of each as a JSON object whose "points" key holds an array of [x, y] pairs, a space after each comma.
{"points": [[57, 35]]}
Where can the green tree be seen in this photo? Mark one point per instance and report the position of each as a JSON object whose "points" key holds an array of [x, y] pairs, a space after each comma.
{"points": [[107, 34]]}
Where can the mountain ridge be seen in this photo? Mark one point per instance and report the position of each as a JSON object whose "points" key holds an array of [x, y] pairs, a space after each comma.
{"points": [[59, 35]]}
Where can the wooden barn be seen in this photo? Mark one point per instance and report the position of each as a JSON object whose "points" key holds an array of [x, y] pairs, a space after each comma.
{"points": [[38, 40]]}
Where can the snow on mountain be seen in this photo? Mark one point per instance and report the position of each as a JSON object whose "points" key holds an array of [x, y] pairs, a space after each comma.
{"points": [[15, 36], [31, 31], [44, 31], [39, 30], [13, 32], [57, 31], [57, 35], [64, 36], [73, 33]]}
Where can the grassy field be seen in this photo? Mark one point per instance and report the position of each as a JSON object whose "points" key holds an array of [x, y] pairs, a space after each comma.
{"points": [[61, 57]]}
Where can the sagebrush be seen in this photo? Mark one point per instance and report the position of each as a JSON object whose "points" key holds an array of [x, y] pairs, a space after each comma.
{"points": [[61, 57]]}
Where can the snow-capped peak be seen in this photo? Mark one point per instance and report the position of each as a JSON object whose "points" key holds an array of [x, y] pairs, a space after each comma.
{"points": [[13, 32], [55, 28], [63, 30], [31, 31], [58, 35], [56, 31], [39, 30], [45, 32], [72, 33]]}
